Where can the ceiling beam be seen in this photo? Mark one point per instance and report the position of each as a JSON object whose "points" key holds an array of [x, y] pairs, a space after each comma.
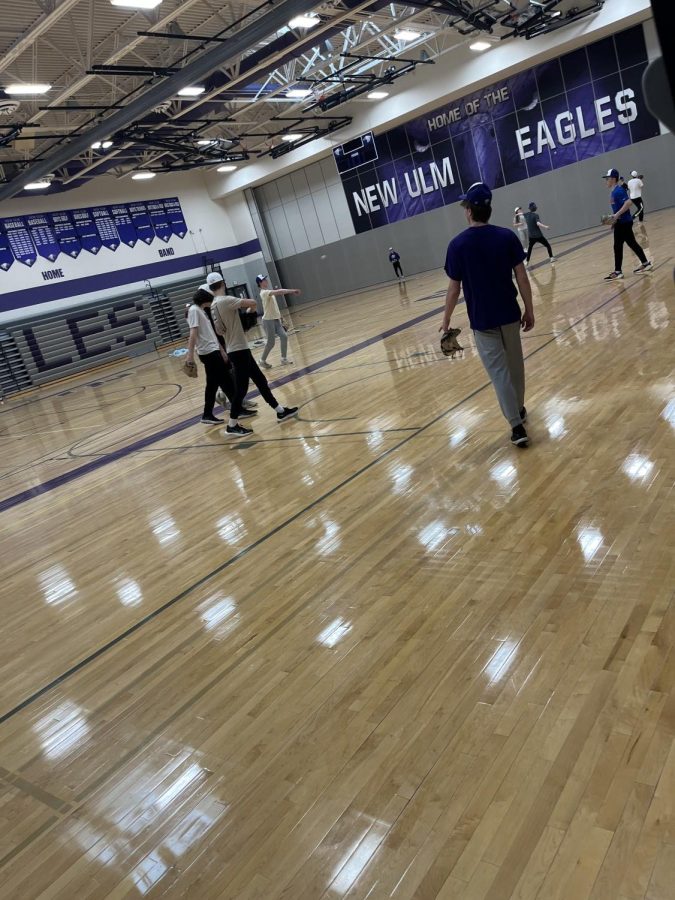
{"points": [[192, 73], [43, 24]]}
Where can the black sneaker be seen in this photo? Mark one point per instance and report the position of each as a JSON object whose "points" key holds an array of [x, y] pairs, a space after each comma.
{"points": [[287, 413], [247, 412], [523, 414], [211, 420], [613, 276], [644, 267], [519, 437], [238, 431]]}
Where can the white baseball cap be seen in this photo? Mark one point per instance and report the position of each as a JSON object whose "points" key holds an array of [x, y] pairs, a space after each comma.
{"points": [[214, 278], [634, 174]]}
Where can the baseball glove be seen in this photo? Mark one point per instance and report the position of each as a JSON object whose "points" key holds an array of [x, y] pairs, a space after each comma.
{"points": [[190, 369], [449, 343]]}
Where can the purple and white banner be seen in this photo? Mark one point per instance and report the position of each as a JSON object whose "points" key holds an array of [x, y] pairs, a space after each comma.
{"points": [[23, 238], [583, 104]]}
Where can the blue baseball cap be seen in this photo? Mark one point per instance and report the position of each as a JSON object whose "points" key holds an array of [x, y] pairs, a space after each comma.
{"points": [[613, 173], [479, 194]]}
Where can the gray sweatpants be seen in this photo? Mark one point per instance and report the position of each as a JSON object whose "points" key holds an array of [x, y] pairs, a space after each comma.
{"points": [[273, 329], [501, 353]]}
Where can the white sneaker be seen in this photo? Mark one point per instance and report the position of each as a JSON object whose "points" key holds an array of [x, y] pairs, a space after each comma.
{"points": [[285, 361], [222, 399], [265, 364], [552, 260]]}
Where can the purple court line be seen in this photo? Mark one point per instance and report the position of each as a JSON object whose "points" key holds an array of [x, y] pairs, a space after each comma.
{"points": [[45, 487]]}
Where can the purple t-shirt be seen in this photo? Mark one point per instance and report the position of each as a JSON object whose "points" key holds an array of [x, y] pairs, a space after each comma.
{"points": [[483, 259]]}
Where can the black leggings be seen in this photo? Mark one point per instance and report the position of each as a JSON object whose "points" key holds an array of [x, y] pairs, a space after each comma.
{"points": [[245, 368], [397, 269], [640, 207], [539, 240], [623, 234], [218, 375]]}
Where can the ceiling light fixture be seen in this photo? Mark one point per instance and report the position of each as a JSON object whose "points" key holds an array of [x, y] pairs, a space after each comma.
{"points": [[298, 93], [136, 4], [290, 137], [193, 91], [309, 20], [101, 145], [226, 168], [27, 90], [404, 34], [37, 185], [204, 142], [479, 46], [377, 95], [142, 176]]}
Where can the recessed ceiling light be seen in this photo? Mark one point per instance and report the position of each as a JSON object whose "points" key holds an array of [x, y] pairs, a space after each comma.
{"points": [[291, 137], [309, 20], [101, 145], [377, 95], [298, 93], [136, 4], [226, 168], [142, 176], [194, 91], [479, 46], [404, 34], [37, 185], [27, 89]]}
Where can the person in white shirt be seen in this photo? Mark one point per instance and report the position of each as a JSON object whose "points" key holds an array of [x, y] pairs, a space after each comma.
{"points": [[635, 185], [272, 320], [520, 225], [227, 322], [204, 342]]}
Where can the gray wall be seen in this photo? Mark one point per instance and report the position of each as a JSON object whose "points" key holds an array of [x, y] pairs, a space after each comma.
{"points": [[316, 250]]}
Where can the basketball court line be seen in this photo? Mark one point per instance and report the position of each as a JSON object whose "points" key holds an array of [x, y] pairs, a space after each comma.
{"points": [[51, 484], [263, 539]]}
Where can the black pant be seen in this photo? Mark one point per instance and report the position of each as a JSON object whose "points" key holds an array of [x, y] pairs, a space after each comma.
{"points": [[245, 368], [538, 240], [640, 206], [397, 269], [218, 375], [623, 234]]}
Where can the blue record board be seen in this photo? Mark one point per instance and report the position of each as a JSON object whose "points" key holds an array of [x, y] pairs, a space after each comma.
{"points": [[141, 219], [160, 220], [176, 217], [43, 236], [6, 255], [124, 225], [20, 241], [64, 231], [105, 225], [86, 230]]}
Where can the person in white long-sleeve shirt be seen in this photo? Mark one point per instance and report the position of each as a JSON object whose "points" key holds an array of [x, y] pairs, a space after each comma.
{"points": [[272, 320]]}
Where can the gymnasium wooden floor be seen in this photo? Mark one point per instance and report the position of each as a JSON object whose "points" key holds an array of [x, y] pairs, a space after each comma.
{"points": [[376, 652]]}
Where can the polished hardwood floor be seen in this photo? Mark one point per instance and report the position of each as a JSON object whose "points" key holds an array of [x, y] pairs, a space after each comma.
{"points": [[375, 652]]}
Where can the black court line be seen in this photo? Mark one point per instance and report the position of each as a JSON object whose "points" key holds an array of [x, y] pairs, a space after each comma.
{"points": [[109, 645]]}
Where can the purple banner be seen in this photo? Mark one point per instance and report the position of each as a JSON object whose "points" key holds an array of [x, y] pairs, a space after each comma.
{"points": [[124, 225], [176, 217], [568, 109], [6, 255], [64, 231], [105, 225], [160, 220], [141, 221], [20, 240], [86, 230], [43, 236]]}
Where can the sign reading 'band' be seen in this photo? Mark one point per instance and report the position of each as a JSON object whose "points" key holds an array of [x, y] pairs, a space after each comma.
{"points": [[48, 235], [568, 109]]}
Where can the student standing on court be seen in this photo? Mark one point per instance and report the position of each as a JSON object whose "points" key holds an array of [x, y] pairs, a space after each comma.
{"points": [[622, 223], [482, 260], [520, 225], [225, 311], [395, 260], [534, 233], [272, 321], [204, 341], [635, 185]]}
